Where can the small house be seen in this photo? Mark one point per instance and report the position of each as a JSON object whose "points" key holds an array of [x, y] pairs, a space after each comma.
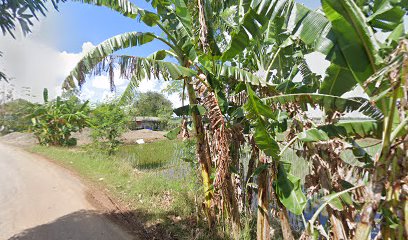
{"points": [[152, 123]]}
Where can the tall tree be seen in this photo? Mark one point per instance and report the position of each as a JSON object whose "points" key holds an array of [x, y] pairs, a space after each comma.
{"points": [[152, 104]]}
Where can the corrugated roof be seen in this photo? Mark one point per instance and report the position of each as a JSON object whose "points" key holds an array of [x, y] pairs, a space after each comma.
{"points": [[153, 119]]}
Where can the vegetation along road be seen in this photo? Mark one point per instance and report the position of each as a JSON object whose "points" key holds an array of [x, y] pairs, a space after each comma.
{"points": [[40, 200]]}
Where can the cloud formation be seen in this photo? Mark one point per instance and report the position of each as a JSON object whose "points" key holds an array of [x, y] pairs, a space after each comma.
{"points": [[35, 65]]}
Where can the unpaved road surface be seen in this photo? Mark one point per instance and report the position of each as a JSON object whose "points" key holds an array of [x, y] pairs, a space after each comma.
{"points": [[41, 201]]}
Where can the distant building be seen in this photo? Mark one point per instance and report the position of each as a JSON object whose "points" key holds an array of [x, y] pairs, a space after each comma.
{"points": [[152, 123]]}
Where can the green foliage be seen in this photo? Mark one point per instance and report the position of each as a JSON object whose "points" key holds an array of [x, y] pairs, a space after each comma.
{"points": [[263, 44], [108, 123], [14, 115], [259, 115], [54, 121], [266, 123], [172, 134], [254, 23], [289, 191], [313, 135], [187, 110], [355, 37], [153, 104]]}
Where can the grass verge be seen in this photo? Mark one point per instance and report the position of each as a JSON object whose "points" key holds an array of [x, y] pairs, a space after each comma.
{"points": [[163, 194]]}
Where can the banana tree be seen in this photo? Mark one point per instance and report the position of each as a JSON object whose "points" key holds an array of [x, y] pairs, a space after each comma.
{"points": [[343, 62], [218, 63], [177, 24], [355, 56], [54, 121], [354, 25]]}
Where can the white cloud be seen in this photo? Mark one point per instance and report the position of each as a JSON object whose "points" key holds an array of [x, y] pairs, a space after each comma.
{"points": [[102, 82], [150, 85], [87, 94], [35, 65], [175, 99]]}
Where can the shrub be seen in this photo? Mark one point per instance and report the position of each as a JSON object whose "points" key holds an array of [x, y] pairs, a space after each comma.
{"points": [[108, 124]]}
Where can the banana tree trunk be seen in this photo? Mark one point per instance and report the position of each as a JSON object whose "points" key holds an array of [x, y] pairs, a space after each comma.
{"points": [[263, 230], [223, 183], [224, 191], [251, 167], [285, 225], [379, 179], [203, 157]]}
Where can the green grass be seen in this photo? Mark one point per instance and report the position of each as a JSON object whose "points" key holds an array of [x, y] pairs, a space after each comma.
{"points": [[164, 191], [154, 180], [149, 156]]}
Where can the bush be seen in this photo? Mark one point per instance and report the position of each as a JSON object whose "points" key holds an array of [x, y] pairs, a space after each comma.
{"points": [[108, 124], [14, 115]]}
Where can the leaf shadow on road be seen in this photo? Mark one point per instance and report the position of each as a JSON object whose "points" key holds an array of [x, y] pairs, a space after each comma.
{"points": [[94, 225], [80, 225]]}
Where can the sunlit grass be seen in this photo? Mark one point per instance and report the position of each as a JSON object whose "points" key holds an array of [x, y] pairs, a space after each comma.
{"points": [[149, 155], [159, 192]]}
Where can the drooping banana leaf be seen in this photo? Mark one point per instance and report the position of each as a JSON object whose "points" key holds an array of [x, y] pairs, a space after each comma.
{"points": [[355, 38], [313, 135], [289, 191], [314, 29], [354, 129], [328, 102], [102, 51], [172, 134], [126, 8], [258, 114], [161, 54], [239, 74], [187, 110]]}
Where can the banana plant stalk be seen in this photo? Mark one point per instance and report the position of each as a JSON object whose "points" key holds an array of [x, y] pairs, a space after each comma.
{"points": [[203, 156], [220, 144], [263, 230]]}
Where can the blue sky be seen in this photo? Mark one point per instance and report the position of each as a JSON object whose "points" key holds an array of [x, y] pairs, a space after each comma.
{"points": [[58, 41], [79, 23]]}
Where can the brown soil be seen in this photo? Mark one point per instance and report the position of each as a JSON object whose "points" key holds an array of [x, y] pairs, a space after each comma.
{"points": [[83, 138]]}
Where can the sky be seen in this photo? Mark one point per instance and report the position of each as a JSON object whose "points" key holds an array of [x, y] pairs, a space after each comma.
{"points": [[57, 42]]}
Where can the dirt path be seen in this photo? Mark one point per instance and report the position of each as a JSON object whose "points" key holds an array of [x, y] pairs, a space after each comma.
{"points": [[39, 200]]}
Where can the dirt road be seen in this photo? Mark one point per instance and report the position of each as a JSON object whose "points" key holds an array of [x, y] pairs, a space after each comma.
{"points": [[41, 201]]}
